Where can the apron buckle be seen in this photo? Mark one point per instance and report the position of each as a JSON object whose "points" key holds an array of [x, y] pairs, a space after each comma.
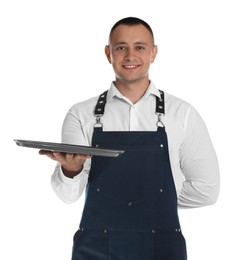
{"points": [[98, 121], [159, 121]]}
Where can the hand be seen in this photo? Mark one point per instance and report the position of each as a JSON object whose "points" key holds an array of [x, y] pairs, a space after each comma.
{"points": [[72, 164]]}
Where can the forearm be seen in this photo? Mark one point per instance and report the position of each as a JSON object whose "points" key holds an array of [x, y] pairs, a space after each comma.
{"points": [[198, 194], [202, 182], [68, 189], [70, 180]]}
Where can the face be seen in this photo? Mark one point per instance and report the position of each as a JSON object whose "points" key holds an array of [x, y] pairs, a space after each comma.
{"points": [[131, 50]]}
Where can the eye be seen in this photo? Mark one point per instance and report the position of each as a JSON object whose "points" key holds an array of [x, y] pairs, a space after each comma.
{"points": [[140, 48], [120, 48]]}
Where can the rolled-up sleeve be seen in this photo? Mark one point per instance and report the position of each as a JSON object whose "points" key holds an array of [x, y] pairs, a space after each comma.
{"points": [[199, 164]]}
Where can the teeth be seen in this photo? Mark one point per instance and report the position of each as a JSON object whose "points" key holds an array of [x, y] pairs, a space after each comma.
{"points": [[130, 66]]}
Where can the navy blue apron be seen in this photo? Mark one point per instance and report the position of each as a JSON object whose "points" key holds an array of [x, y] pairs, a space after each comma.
{"points": [[130, 211]]}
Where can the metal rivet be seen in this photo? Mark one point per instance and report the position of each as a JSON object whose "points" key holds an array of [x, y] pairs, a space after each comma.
{"points": [[99, 109], [161, 190], [105, 231], [82, 229], [160, 106], [130, 204], [102, 96], [161, 145], [153, 231], [98, 189], [101, 101]]}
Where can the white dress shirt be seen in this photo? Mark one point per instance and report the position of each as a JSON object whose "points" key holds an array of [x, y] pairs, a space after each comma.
{"points": [[193, 160]]}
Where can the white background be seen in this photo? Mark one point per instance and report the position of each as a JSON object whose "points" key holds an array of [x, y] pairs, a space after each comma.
{"points": [[52, 56]]}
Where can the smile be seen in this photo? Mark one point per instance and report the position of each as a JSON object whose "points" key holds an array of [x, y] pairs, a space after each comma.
{"points": [[131, 66]]}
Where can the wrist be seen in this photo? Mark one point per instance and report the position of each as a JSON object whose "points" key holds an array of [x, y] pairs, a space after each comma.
{"points": [[70, 173]]}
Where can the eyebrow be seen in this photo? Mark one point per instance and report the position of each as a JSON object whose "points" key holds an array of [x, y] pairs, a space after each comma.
{"points": [[120, 43]]}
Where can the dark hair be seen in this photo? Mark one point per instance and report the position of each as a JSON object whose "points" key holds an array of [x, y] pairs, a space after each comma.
{"points": [[132, 21]]}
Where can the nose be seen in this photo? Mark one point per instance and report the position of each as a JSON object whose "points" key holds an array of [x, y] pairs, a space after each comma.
{"points": [[130, 55]]}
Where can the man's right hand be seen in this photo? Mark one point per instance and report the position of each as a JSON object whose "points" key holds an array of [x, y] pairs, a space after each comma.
{"points": [[72, 164]]}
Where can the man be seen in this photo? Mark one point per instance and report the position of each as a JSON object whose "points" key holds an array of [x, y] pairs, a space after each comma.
{"points": [[130, 211]]}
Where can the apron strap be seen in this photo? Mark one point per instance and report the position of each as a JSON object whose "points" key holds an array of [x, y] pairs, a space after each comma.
{"points": [[160, 108], [160, 103], [100, 107]]}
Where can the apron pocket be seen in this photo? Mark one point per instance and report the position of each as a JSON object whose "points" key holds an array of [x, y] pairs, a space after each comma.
{"points": [[129, 245], [132, 177], [90, 244], [168, 244]]}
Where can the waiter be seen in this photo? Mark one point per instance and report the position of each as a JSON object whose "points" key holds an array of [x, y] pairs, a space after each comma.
{"points": [[130, 211]]}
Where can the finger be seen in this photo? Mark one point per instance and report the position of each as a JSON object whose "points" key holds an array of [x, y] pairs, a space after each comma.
{"points": [[69, 157], [45, 152], [82, 156], [48, 154], [60, 157]]}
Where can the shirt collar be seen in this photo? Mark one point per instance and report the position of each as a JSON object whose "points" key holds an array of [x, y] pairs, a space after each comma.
{"points": [[113, 91]]}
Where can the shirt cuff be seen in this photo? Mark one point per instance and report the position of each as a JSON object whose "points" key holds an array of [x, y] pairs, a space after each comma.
{"points": [[67, 180]]}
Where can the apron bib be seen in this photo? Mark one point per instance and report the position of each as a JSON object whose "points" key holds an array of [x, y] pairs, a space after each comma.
{"points": [[130, 211]]}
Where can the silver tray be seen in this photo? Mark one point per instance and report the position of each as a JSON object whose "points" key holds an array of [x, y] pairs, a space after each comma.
{"points": [[69, 148]]}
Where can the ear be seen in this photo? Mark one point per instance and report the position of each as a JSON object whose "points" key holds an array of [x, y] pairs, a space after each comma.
{"points": [[107, 52], [154, 53]]}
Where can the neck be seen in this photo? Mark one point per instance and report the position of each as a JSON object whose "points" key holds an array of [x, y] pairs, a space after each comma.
{"points": [[133, 91]]}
